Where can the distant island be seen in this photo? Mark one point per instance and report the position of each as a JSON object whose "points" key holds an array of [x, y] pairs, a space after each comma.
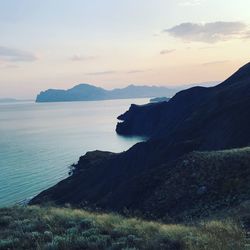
{"points": [[87, 92], [159, 99]]}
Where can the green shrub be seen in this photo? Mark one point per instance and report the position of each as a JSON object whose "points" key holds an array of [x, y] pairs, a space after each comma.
{"points": [[5, 220], [64, 229], [8, 243], [48, 236], [86, 224]]}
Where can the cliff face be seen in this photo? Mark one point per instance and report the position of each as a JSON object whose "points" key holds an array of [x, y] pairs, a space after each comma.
{"points": [[215, 116], [162, 177], [140, 120]]}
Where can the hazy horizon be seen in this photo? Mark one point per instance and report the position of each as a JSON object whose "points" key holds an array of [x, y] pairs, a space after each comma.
{"points": [[111, 44], [178, 87]]}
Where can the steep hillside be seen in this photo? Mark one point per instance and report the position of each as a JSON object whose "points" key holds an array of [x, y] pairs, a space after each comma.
{"points": [[215, 117], [196, 185], [164, 177]]}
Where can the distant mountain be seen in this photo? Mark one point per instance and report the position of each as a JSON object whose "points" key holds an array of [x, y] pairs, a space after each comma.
{"points": [[190, 166], [86, 92], [133, 91]]}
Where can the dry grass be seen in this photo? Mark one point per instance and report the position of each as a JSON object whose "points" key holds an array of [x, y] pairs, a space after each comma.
{"points": [[64, 228]]}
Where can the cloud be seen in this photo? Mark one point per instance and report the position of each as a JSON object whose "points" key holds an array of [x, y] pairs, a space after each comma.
{"points": [[8, 66], [167, 51], [108, 72], [208, 32], [137, 71], [15, 55], [78, 58], [247, 35], [11, 66], [191, 2], [207, 47]]}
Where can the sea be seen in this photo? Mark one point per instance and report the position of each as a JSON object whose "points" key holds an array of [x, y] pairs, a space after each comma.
{"points": [[40, 141]]}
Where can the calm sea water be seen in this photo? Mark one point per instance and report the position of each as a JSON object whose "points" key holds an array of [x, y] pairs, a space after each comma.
{"points": [[38, 142]]}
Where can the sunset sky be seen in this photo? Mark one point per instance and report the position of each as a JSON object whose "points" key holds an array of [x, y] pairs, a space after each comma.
{"points": [[113, 43]]}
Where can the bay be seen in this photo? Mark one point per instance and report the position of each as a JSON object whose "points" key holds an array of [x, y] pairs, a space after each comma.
{"points": [[38, 142]]}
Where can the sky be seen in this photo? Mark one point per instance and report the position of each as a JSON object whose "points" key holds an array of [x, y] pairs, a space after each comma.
{"points": [[112, 43]]}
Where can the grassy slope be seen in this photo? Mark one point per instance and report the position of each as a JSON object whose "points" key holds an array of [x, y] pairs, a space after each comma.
{"points": [[65, 228], [225, 176], [202, 183]]}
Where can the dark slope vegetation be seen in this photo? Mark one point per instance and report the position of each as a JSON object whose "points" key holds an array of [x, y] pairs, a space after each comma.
{"points": [[163, 177], [197, 185]]}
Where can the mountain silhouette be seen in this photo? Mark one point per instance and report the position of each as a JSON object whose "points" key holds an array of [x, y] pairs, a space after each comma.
{"points": [[87, 92]]}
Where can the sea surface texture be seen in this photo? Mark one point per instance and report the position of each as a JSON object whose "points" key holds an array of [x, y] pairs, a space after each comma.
{"points": [[38, 142]]}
